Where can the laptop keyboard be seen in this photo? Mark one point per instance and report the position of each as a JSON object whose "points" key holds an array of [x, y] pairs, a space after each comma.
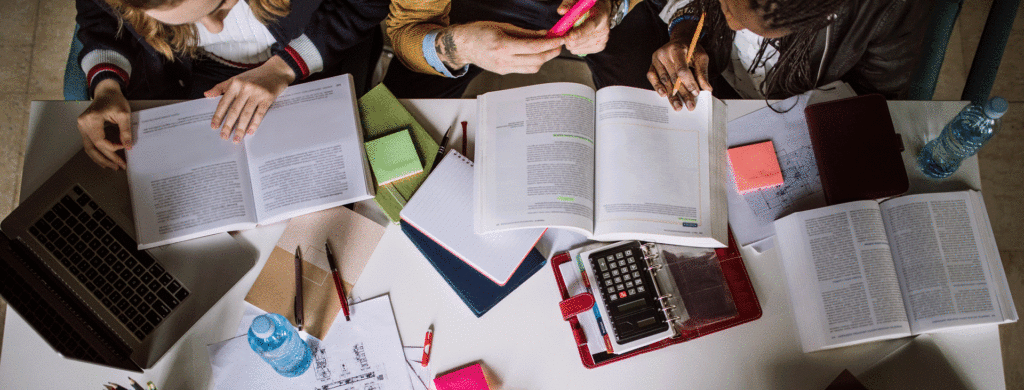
{"points": [[129, 282]]}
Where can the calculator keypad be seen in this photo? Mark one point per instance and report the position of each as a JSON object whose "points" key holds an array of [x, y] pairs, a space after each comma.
{"points": [[633, 309]]}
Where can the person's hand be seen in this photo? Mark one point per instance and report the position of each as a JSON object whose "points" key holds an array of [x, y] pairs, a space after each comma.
{"points": [[669, 63], [247, 97], [591, 36], [498, 47], [108, 106]]}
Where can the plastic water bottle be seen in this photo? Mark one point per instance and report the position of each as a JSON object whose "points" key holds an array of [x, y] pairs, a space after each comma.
{"points": [[961, 138], [274, 339]]}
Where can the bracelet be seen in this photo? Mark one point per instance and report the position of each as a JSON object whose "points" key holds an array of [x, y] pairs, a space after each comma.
{"points": [[682, 18], [620, 14]]}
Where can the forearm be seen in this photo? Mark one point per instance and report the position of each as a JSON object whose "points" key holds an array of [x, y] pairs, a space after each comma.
{"points": [[408, 23]]}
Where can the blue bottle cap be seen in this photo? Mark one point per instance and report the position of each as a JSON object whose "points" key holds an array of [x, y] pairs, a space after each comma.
{"points": [[262, 327], [996, 107]]}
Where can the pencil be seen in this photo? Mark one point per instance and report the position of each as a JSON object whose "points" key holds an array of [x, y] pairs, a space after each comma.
{"points": [[689, 52], [135, 385]]}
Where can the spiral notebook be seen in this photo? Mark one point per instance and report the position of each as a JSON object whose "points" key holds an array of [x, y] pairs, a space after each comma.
{"points": [[442, 209]]}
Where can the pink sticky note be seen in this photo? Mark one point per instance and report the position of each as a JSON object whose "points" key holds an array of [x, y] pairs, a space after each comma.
{"points": [[755, 167], [469, 378]]}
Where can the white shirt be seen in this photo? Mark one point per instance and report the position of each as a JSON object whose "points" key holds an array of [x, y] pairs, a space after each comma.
{"points": [[244, 41]]}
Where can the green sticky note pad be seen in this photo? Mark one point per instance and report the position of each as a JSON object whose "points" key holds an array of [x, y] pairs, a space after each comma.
{"points": [[393, 157]]}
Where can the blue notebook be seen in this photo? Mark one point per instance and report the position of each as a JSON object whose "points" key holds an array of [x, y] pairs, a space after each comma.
{"points": [[479, 292]]}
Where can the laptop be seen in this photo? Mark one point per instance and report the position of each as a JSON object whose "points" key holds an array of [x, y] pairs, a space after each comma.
{"points": [[69, 265]]}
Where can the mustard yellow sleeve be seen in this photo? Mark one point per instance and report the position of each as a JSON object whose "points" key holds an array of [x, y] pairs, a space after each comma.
{"points": [[408, 23]]}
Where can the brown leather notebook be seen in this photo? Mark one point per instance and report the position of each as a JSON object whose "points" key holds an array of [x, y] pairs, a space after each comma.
{"points": [[857, 149]]}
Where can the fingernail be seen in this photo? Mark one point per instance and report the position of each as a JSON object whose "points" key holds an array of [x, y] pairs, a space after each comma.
{"points": [[661, 92], [695, 93]]}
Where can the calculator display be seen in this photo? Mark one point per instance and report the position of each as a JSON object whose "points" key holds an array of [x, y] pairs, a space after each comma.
{"points": [[628, 291]]}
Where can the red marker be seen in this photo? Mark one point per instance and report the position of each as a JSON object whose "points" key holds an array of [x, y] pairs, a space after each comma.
{"points": [[427, 341], [463, 138]]}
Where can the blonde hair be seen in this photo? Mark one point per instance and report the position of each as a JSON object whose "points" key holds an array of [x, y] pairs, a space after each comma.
{"points": [[183, 38]]}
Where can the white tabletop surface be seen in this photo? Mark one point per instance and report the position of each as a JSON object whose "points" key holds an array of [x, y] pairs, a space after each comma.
{"points": [[523, 343]]}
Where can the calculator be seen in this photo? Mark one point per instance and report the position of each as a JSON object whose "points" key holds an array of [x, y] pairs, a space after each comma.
{"points": [[625, 282]]}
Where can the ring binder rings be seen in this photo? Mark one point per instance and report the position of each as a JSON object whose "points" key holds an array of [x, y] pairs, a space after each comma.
{"points": [[701, 317]]}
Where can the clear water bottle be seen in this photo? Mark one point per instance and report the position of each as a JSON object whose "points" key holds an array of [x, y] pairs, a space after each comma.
{"points": [[274, 339], [961, 138]]}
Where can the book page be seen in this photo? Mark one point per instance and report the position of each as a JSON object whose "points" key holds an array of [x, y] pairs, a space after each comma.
{"points": [[308, 154], [945, 272], [186, 182], [841, 277], [659, 171], [535, 158]]}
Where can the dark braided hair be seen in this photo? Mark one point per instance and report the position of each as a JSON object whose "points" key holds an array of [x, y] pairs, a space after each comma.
{"points": [[792, 73]]}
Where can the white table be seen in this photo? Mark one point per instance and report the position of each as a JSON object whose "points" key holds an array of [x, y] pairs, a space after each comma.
{"points": [[522, 342]]}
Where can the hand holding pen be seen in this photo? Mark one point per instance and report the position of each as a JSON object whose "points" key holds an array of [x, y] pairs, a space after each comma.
{"points": [[679, 69]]}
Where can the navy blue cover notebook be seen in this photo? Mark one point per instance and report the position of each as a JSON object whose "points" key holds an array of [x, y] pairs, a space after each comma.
{"points": [[479, 292]]}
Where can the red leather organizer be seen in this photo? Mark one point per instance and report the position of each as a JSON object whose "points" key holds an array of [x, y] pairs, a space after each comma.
{"points": [[747, 306]]}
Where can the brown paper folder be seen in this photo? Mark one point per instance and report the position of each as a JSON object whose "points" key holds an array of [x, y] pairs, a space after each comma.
{"points": [[353, 239]]}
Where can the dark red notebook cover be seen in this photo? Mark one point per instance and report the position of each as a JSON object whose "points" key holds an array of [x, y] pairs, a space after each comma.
{"points": [[857, 149], [748, 308]]}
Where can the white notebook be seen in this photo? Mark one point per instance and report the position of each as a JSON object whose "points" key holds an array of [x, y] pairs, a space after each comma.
{"points": [[442, 209]]}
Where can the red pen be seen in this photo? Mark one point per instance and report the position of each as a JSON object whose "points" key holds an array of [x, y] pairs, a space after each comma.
{"points": [[337, 280], [463, 138], [427, 341]]}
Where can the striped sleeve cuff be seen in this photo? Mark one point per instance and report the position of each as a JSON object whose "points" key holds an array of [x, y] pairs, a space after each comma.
{"points": [[102, 64], [430, 54], [305, 55]]}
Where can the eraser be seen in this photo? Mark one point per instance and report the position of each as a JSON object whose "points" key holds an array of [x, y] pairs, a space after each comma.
{"points": [[755, 167], [469, 378]]}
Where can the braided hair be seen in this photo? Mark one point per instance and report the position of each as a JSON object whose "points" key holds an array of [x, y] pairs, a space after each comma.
{"points": [[792, 73]]}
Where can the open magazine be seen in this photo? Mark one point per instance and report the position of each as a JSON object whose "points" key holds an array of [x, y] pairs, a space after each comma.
{"points": [[865, 271], [615, 164]]}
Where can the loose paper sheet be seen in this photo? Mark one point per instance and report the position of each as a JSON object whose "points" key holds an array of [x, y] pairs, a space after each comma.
{"points": [[751, 215], [365, 353]]}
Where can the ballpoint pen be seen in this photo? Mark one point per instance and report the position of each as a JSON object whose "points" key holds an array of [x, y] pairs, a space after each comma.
{"points": [[298, 287], [597, 313], [337, 280], [441, 147]]}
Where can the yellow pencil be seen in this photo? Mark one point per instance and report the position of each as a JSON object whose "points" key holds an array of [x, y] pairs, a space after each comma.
{"points": [[689, 53]]}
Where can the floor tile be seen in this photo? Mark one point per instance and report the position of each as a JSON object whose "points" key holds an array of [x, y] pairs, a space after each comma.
{"points": [[13, 121], [14, 72], [952, 75], [1012, 335], [18, 22], [1002, 180], [52, 41]]}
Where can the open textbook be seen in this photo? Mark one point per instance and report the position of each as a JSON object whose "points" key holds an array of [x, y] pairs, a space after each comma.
{"points": [[865, 271], [615, 164], [186, 182]]}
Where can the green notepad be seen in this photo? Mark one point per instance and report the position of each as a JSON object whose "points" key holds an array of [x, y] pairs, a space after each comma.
{"points": [[393, 157], [382, 114]]}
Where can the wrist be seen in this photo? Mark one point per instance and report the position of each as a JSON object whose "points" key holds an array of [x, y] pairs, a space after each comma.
{"points": [[107, 88], [447, 46], [281, 68]]}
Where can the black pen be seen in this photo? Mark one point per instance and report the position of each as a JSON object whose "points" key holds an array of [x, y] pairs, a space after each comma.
{"points": [[298, 287], [440, 148], [135, 385]]}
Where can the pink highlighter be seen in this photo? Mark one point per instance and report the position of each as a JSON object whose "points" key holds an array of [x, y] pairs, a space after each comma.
{"points": [[576, 15]]}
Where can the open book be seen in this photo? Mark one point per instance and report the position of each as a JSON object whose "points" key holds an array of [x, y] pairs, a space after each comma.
{"points": [[186, 182], [865, 271], [615, 164]]}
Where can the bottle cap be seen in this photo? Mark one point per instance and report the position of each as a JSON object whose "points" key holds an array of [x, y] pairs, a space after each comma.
{"points": [[262, 327], [996, 107]]}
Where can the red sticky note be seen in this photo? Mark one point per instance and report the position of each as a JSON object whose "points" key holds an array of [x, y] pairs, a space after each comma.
{"points": [[469, 378], [755, 167]]}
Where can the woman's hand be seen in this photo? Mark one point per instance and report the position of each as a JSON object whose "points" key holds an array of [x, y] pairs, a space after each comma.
{"points": [[108, 106], [669, 63], [247, 97]]}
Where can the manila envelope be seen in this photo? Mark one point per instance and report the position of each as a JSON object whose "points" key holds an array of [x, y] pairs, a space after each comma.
{"points": [[353, 239]]}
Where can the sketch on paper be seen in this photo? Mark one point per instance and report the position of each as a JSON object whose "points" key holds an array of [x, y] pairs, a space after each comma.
{"points": [[365, 377], [801, 183]]}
